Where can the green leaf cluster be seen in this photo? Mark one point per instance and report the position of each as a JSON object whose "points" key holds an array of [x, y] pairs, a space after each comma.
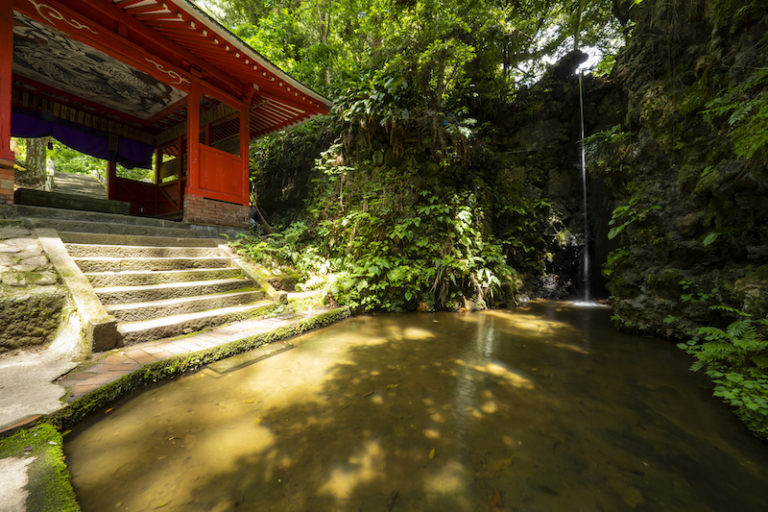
{"points": [[625, 215], [736, 359], [436, 255]]}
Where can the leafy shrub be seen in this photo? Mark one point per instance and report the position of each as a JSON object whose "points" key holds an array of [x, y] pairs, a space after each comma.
{"points": [[736, 359], [291, 247], [436, 255]]}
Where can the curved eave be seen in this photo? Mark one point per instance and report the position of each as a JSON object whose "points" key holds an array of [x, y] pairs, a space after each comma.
{"points": [[223, 32], [277, 100]]}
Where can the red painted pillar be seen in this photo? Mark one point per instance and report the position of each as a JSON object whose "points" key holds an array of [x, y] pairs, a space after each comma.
{"points": [[6, 66], [181, 183], [245, 153], [193, 139]]}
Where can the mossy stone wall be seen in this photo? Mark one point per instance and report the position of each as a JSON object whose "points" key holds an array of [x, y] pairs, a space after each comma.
{"points": [[31, 298]]}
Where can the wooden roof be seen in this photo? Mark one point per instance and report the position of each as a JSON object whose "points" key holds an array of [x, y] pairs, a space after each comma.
{"points": [[175, 43]]}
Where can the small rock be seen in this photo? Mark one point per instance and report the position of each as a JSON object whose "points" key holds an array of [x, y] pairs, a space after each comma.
{"points": [[24, 268], [14, 279], [25, 244], [44, 279], [29, 254], [8, 259], [5, 249], [13, 233], [35, 261]]}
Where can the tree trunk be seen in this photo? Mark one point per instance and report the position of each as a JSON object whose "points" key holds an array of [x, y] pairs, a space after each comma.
{"points": [[36, 160]]}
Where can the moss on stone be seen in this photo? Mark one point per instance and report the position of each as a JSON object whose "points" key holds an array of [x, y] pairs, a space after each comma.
{"points": [[49, 485], [30, 318]]}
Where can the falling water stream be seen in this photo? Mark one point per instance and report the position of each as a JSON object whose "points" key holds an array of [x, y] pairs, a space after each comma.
{"points": [[542, 408], [585, 258]]}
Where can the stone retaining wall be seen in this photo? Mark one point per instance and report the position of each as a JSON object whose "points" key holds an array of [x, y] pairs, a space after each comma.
{"points": [[30, 296]]}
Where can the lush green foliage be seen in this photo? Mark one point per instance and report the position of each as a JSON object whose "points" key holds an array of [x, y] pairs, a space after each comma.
{"points": [[70, 161], [400, 210], [443, 47], [437, 255], [736, 359]]}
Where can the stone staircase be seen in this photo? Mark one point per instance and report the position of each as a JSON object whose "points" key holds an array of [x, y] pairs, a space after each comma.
{"points": [[80, 184], [158, 278]]}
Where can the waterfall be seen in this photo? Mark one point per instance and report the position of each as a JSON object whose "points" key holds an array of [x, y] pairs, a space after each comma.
{"points": [[585, 259]]}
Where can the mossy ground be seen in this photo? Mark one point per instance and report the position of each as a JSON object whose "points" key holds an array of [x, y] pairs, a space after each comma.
{"points": [[49, 486]]}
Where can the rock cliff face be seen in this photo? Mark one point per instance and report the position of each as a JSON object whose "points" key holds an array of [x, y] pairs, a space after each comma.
{"points": [[688, 164], [541, 148]]}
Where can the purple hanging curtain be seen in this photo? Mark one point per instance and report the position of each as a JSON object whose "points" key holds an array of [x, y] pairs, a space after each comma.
{"points": [[130, 153]]}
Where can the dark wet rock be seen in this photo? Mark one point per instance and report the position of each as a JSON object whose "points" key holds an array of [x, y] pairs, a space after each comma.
{"points": [[700, 232]]}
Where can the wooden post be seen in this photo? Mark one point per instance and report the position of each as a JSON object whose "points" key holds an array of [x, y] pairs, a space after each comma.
{"points": [[6, 65], [111, 178], [158, 163], [112, 166], [245, 145]]}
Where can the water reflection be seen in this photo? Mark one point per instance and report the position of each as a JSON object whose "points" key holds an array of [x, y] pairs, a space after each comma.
{"points": [[541, 408]]}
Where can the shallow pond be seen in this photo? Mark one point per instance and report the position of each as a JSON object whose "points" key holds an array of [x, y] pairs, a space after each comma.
{"points": [[541, 408]]}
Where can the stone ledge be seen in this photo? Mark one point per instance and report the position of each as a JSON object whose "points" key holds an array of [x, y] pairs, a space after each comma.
{"points": [[100, 327], [176, 365]]}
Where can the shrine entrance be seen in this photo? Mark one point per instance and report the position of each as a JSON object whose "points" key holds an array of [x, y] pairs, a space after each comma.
{"points": [[144, 83]]}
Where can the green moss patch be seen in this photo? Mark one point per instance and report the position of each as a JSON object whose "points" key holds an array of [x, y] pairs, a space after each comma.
{"points": [[29, 318], [49, 486]]}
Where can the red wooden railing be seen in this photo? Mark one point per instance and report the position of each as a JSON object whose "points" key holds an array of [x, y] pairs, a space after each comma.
{"points": [[220, 176], [147, 198]]}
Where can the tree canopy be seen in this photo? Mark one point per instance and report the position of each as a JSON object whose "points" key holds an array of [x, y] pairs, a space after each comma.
{"points": [[447, 51]]}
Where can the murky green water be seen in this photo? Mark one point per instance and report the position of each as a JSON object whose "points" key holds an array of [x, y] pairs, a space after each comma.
{"points": [[542, 408]]}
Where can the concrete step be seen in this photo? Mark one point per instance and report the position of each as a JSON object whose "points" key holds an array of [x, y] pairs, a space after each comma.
{"points": [[134, 312], [112, 218], [149, 277], [112, 264], [157, 328], [33, 197], [118, 252], [82, 184], [124, 294], [84, 226], [69, 237]]}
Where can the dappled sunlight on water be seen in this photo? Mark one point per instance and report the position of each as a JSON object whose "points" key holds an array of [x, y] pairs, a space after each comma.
{"points": [[542, 408]]}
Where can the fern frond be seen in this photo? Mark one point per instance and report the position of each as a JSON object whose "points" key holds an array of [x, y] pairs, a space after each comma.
{"points": [[728, 309]]}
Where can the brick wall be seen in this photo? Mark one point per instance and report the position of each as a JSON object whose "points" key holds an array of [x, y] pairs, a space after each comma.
{"points": [[198, 210], [6, 186]]}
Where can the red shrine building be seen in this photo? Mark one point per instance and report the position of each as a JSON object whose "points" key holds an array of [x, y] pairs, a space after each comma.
{"points": [[155, 84]]}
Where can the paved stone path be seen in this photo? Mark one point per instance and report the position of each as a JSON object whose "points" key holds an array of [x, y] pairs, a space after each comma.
{"points": [[125, 360]]}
